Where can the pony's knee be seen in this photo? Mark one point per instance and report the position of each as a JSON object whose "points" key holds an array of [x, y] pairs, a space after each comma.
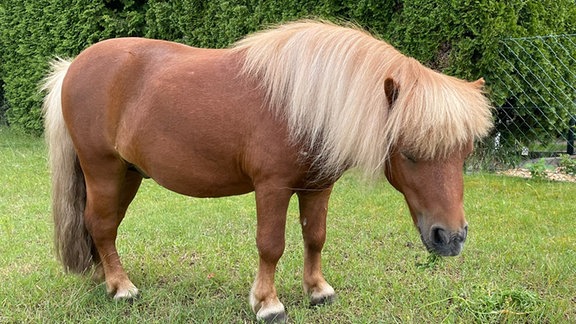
{"points": [[314, 243], [270, 249]]}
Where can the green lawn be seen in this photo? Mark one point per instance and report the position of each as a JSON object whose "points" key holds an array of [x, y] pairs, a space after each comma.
{"points": [[194, 259]]}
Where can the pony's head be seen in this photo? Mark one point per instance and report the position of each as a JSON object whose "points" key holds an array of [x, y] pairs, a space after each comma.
{"points": [[426, 159], [433, 190]]}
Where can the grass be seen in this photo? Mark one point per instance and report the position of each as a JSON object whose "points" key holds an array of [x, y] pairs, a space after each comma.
{"points": [[194, 259]]}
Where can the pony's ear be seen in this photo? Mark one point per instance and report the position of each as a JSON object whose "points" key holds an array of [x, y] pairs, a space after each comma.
{"points": [[391, 89], [479, 84]]}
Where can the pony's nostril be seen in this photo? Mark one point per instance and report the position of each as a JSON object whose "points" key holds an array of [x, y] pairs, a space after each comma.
{"points": [[439, 236]]}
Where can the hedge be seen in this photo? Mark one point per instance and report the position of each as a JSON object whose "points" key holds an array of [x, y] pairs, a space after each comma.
{"points": [[456, 37]]}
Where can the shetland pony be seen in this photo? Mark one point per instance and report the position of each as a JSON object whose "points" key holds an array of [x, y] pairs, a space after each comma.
{"points": [[284, 111]]}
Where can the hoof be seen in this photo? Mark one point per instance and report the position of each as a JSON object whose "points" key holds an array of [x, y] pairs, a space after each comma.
{"points": [[322, 300], [274, 318], [322, 295], [272, 314], [127, 294]]}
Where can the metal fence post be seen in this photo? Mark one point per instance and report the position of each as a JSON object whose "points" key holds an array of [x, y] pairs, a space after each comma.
{"points": [[570, 138]]}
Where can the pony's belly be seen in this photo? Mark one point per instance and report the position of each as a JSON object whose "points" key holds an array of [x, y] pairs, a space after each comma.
{"points": [[204, 184]]}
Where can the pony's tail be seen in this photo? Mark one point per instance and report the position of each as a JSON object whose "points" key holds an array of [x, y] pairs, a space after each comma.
{"points": [[72, 242]]}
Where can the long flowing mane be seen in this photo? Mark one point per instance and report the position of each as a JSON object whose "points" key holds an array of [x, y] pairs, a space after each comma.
{"points": [[328, 82]]}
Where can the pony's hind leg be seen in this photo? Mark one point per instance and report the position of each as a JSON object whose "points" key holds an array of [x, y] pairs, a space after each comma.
{"points": [[130, 188], [109, 189], [313, 210]]}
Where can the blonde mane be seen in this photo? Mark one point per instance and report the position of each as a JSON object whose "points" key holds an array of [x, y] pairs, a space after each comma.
{"points": [[328, 83]]}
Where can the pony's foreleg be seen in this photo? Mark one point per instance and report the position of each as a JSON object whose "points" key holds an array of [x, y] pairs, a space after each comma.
{"points": [[108, 198], [313, 210], [271, 205]]}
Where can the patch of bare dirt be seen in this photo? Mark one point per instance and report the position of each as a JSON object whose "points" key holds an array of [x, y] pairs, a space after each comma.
{"points": [[556, 174]]}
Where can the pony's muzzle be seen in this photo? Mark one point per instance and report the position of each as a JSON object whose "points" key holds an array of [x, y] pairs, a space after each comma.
{"points": [[445, 242]]}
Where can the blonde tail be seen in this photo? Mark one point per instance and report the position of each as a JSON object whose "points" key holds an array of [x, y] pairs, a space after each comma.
{"points": [[72, 242]]}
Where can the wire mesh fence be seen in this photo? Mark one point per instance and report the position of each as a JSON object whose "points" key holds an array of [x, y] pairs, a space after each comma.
{"points": [[536, 83]]}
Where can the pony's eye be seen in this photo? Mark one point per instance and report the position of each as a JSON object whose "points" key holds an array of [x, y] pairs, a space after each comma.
{"points": [[409, 157]]}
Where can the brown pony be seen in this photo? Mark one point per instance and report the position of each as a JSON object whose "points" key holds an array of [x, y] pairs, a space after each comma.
{"points": [[284, 111]]}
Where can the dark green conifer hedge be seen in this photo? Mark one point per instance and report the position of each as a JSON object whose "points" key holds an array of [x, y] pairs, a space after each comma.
{"points": [[457, 37]]}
